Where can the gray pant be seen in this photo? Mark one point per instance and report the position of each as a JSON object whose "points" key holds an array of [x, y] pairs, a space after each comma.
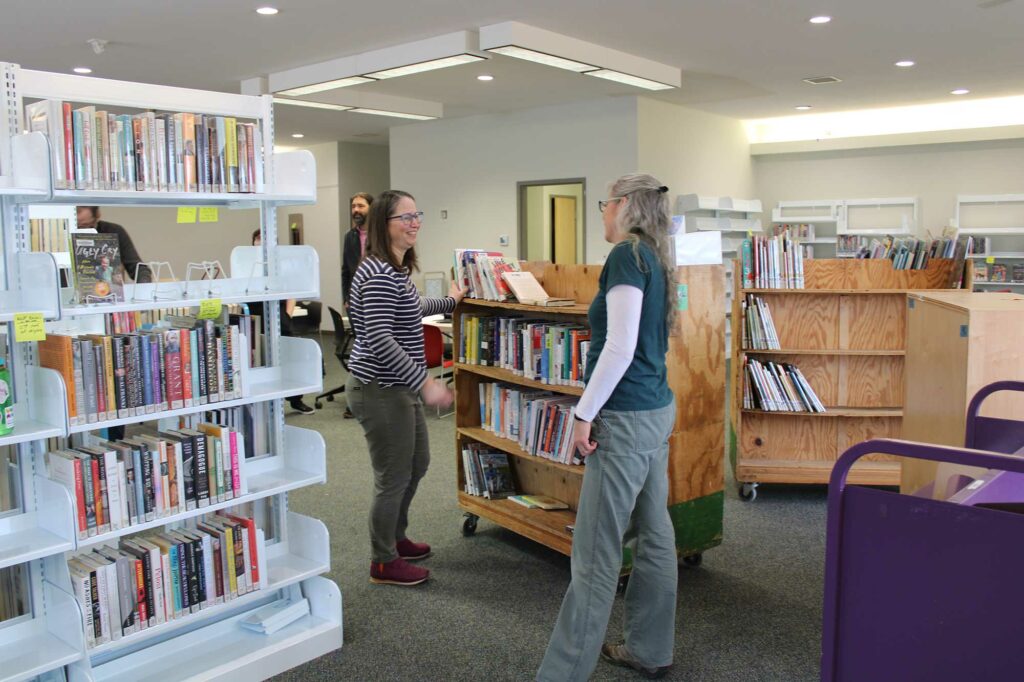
{"points": [[396, 433], [625, 488]]}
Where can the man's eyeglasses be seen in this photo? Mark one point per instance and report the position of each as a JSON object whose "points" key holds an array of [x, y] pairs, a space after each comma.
{"points": [[408, 218], [601, 205]]}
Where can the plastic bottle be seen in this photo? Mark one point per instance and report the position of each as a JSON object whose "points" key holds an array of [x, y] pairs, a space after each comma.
{"points": [[6, 400]]}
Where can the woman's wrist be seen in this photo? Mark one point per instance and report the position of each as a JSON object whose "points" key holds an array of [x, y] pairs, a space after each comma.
{"points": [[581, 419]]}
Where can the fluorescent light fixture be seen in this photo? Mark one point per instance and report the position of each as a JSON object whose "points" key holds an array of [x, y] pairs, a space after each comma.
{"points": [[542, 58], [82, 69], [959, 91], [820, 19], [421, 67], [328, 85], [960, 115], [267, 11], [395, 114], [905, 63], [626, 79], [311, 105], [803, 107], [298, 136], [484, 77]]}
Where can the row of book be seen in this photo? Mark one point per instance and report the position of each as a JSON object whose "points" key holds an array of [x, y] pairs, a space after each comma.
{"points": [[145, 372], [151, 579], [774, 262], [486, 472], [48, 234], [539, 421], [759, 327], [778, 387], [156, 474], [797, 231], [481, 272], [997, 272], [541, 350], [155, 152]]}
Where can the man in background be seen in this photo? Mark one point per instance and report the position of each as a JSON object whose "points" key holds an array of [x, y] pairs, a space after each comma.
{"points": [[354, 249], [89, 218]]}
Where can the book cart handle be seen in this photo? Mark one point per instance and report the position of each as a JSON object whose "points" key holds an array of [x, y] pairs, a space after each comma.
{"points": [[974, 422]]}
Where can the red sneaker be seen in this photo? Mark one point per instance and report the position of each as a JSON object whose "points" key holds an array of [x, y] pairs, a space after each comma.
{"points": [[397, 572], [412, 551]]}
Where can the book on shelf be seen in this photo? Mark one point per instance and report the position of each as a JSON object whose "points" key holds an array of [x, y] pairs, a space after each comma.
{"points": [[488, 473], [539, 502], [97, 269], [539, 421], [541, 350], [772, 262], [276, 615], [981, 272], [998, 273], [130, 375], [1018, 272], [528, 290], [165, 574], [48, 234], [759, 328], [777, 387], [796, 231], [481, 273], [149, 151]]}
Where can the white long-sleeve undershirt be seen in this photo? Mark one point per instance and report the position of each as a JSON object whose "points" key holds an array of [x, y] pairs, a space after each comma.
{"points": [[624, 305]]}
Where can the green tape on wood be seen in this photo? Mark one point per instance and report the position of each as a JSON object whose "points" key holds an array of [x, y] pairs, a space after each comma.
{"points": [[733, 447], [698, 523], [682, 297]]}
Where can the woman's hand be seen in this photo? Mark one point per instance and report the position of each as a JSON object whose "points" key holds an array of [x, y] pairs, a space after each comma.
{"points": [[581, 437], [457, 292], [436, 394]]}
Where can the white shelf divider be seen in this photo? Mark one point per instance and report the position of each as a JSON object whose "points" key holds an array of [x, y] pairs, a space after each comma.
{"points": [[43, 412], [686, 203], [31, 164], [39, 291], [45, 643], [41, 532]]}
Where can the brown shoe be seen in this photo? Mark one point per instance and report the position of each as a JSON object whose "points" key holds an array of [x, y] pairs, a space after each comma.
{"points": [[618, 654], [397, 572]]}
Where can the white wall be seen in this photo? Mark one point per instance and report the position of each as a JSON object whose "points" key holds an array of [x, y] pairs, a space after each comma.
{"points": [[933, 173], [470, 167], [694, 151]]}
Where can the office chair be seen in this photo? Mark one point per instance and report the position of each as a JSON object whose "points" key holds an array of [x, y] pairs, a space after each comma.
{"points": [[342, 348], [433, 351]]}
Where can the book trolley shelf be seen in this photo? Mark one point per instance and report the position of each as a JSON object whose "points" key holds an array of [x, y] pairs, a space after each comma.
{"points": [[696, 374], [846, 332], [49, 639]]}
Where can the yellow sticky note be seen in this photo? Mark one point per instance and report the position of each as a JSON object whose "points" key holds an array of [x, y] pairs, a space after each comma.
{"points": [[29, 327], [186, 214], [990, 259], [208, 214], [209, 309]]}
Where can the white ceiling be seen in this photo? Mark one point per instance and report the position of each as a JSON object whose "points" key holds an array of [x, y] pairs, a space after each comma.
{"points": [[740, 58]]}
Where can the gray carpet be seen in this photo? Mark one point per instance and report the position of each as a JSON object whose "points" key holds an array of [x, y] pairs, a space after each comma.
{"points": [[751, 612]]}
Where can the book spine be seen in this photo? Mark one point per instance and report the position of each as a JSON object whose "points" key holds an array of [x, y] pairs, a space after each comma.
{"points": [[159, 371], [202, 473], [185, 367], [186, 603], [212, 351], [201, 362]]}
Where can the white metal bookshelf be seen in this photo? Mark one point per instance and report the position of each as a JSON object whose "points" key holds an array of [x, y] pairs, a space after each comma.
{"points": [[999, 220], [50, 637], [836, 218]]}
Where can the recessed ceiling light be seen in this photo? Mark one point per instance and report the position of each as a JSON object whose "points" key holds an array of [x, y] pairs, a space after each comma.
{"points": [[959, 91], [298, 136], [803, 107], [627, 79], [820, 20], [484, 77], [328, 85], [542, 58], [905, 63], [267, 11], [425, 66], [82, 69]]}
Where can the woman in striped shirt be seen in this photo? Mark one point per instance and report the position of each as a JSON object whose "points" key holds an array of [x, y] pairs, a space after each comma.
{"points": [[388, 382]]}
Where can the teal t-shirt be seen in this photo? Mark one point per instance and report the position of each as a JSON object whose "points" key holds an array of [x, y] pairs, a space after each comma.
{"points": [[644, 386]]}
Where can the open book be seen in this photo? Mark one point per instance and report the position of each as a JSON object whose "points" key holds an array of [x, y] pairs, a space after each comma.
{"points": [[528, 290]]}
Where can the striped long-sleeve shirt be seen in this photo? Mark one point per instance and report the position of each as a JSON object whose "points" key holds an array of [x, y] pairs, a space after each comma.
{"points": [[386, 313]]}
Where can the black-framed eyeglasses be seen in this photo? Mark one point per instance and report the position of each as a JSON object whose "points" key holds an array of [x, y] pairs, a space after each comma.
{"points": [[601, 205], [408, 218]]}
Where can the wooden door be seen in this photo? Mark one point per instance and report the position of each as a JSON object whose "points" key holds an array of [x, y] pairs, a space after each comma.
{"points": [[563, 229]]}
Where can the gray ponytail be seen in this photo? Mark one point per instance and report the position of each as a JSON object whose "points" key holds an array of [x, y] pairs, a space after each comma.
{"points": [[646, 217]]}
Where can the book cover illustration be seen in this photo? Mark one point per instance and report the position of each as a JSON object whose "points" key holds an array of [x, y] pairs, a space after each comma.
{"points": [[97, 266]]}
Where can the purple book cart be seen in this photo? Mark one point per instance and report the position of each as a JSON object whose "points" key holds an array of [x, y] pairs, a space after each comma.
{"points": [[924, 589]]}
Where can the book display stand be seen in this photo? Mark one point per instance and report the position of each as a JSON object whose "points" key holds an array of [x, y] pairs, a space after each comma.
{"points": [[696, 374], [209, 643], [846, 332]]}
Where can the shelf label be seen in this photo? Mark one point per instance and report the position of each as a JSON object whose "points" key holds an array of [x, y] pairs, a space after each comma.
{"points": [[209, 309], [990, 259], [682, 297], [208, 214], [29, 327], [186, 214]]}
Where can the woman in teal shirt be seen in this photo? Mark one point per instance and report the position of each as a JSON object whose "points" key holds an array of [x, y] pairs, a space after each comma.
{"points": [[623, 422]]}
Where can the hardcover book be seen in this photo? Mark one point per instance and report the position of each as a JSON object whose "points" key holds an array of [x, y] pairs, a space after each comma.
{"points": [[97, 268]]}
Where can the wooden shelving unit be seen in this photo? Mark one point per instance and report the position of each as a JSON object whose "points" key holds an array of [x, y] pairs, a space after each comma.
{"points": [[846, 331], [696, 365]]}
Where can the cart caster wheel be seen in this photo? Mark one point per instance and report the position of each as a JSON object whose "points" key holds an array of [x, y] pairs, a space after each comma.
{"points": [[622, 585], [693, 560], [319, 405], [748, 492], [469, 525], [330, 398]]}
